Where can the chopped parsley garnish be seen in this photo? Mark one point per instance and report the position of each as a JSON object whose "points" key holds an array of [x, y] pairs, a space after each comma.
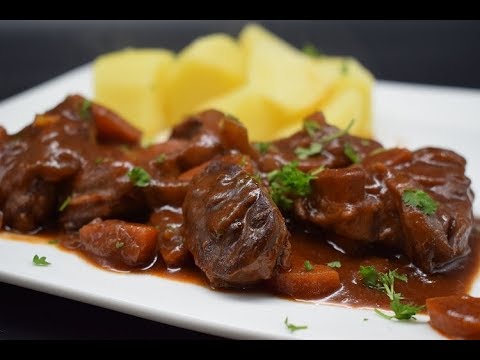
{"points": [[311, 127], [119, 244], [85, 109], [385, 282], [65, 203], [377, 151], [54, 241], [335, 264], [288, 182], [292, 327], [344, 68], [327, 138], [262, 147], [421, 200], [311, 50], [40, 261], [139, 177], [317, 171], [308, 266], [160, 158], [99, 160], [351, 153], [314, 149]]}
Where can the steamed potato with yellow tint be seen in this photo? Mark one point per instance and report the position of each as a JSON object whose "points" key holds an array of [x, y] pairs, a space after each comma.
{"points": [[131, 82], [261, 79]]}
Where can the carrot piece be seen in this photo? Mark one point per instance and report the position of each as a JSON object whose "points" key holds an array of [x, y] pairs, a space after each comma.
{"points": [[303, 284], [456, 315], [111, 127]]}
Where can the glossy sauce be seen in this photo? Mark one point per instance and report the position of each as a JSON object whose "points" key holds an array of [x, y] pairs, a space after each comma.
{"points": [[317, 250]]}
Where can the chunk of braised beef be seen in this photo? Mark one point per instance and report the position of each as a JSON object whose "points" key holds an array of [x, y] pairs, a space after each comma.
{"points": [[208, 134], [34, 165], [330, 139], [103, 190], [364, 205], [234, 231], [109, 126], [171, 242], [120, 242]]}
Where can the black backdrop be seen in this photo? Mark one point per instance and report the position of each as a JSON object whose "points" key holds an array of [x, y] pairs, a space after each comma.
{"points": [[433, 52]]}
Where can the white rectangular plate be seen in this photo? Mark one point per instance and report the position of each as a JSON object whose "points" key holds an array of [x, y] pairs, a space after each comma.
{"points": [[408, 115]]}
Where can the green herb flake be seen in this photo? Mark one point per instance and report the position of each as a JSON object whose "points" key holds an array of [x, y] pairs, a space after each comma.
{"points": [[328, 138], [288, 182], [344, 68], [292, 327], [40, 261], [99, 160], [385, 282], [262, 147], [54, 242], [377, 151], [85, 109], [420, 200], [351, 153], [335, 264], [311, 127], [314, 149], [311, 50], [139, 177], [160, 159], [65, 203], [308, 266], [119, 244]]}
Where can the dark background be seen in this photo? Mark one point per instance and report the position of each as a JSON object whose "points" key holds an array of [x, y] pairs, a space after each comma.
{"points": [[432, 52]]}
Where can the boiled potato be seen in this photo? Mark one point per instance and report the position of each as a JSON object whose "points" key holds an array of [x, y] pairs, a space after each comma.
{"points": [[208, 67], [348, 96], [256, 111], [131, 82], [261, 79]]}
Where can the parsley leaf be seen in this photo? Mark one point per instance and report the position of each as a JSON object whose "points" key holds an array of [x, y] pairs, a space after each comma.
{"points": [[119, 244], [139, 177], [335, 264], [369, 276], [40, 261], [292, 327], [351, 153], [344, 68], [65, 203], [310, 50], [160, 158], [85, 109], [288, 182], [54, 241], [385, 282], [327, 138], [262, 147], [421, 200], [314, 149], [311, 127], [308, 266]]}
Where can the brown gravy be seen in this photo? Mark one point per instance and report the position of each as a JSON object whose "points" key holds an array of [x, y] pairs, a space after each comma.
{"points": [[353, 293]]}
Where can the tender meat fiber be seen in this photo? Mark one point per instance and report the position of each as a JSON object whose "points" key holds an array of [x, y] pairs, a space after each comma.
{"points": [[364, 205], [171, 242], [234, 231], [34, 164], [128, 243], [208, 134], [331, 139]]}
